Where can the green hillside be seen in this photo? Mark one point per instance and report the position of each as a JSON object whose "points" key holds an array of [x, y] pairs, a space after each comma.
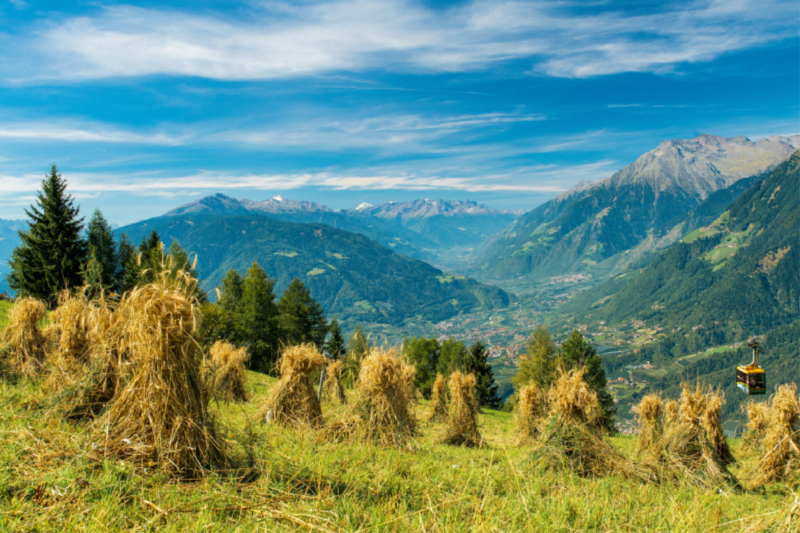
{"points": [[739, 276], [352, 276]]}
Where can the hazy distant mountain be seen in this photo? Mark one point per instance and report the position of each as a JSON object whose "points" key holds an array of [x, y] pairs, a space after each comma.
{"points": [[349, 274], [592, 222], [8, 241]]}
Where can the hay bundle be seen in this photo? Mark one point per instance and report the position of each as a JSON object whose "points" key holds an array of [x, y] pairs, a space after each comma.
{"points": [[438, 400], [332, 388], [687, 450], [651, 428], [160, 418], [530, 409], [381, 412], [409, 381], [570, 438], [223, 372], [462, 427], [69, 333], [670, 409], [757, 423], [24, 339], [293, 400], [781, 447], [83, 388], [713, 426]]}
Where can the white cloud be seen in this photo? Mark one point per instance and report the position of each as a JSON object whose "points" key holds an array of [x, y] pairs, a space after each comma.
{"points": [[282, 41], [82, 132]]}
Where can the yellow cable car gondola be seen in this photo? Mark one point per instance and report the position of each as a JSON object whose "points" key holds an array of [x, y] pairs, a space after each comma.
{"points": [[751, 378]]}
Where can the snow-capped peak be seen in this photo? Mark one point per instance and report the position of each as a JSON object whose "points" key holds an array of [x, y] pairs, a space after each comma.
{"points": [[278, 198], [363, 206]]}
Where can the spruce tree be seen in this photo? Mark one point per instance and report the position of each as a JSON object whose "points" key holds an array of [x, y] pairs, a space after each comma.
{"points": [[93, 277], [576, 353], [127, 269], [100, 245], [485, 385], [301, 317], [51, 252], [258, 319], [231, 291], [335, 343]]}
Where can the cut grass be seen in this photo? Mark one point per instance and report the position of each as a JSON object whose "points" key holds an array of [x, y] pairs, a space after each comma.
{"points": [[50, 481]]}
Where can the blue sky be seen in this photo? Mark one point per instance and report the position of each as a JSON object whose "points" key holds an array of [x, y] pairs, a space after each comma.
{"points": [[148, 105]]}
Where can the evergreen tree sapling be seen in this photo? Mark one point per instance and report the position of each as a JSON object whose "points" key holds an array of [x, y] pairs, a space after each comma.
{"points": [[301, 317], [540, 365], [101, 246], [51, 252], [335, 344], [485, 385], [127, 269], [257, 322]]}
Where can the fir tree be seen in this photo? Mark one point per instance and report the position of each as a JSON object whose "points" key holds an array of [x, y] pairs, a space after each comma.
{"points": [[301, 317], [485, 385], [424, 355], [51, 252], [257, 323], [127, 269], [335, 343], [576, 353], [231, 291], [101, 246]]}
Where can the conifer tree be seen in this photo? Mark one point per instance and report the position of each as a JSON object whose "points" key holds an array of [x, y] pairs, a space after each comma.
{"points": [[540, 365], [424, 355], [301, 317], [93, 277], [231, 291], [335, 343], [51, 252], [127, 271], [453, 356], [485, 385], [257, 323], [357, 349], [101, 246]]}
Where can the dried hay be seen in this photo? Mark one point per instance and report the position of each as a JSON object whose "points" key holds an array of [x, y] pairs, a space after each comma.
{"points": [[292, 400], [409, 381], [223, 372], [332, 388], [688, 450], [159, 419], [713, 426], [438, 400], [381, 412], [651, 428], [781, 446], [569, 438], [757, 423], [670, 412], [462, 427], [530, 409], [26, 345]]}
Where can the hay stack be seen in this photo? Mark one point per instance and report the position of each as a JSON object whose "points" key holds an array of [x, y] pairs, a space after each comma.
{"points": [[570, 437], [438, 400], [381, 412], [70, 327], [781, 447], [670, 409], [688, 450], [651, 428], [713, 426], [160, 418], [293, 400], [757, 423], [530, 409], [462, 427], [409, 381], [24, 339], [332, 388], [223, 372]]}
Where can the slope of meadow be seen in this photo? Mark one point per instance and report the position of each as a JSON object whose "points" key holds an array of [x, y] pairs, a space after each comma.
{"points": [[293, 480]]}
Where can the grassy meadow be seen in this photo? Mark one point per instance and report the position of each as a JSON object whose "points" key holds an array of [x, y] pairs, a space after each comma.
{"points": [[52, 479]]}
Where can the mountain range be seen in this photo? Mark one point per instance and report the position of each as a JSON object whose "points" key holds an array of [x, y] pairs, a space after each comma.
{"points": [[593, 226], [350, 275]]}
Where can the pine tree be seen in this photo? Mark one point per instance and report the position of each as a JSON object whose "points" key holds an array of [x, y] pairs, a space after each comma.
{"points": [[335, 343], [51, 252], [231, 291], [301, 317], [540, 366], [576, 353], [127, 269], [101, 246], [485, 385], [257, 323], [148, 260], [424, 355]]}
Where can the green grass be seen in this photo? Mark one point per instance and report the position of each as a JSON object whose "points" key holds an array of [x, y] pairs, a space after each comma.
{"points": [[52, 480], [5, 306]]}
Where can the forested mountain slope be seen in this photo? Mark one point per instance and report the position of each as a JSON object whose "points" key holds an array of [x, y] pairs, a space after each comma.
{"points": [[349, 274], [591, 223]]}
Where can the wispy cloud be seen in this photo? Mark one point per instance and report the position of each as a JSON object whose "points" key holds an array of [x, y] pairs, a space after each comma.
{"points": [[79, 131], [281, 40]]}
